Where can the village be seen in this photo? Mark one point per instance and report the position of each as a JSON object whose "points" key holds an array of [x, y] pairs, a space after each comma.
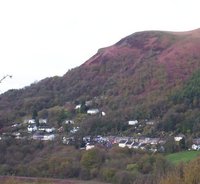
{"points": [[41, 131]]}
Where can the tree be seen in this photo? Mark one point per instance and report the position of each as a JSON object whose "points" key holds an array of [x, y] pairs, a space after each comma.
{"points": [[10, 76], [34, 114], [170, 145], [92, 159]]}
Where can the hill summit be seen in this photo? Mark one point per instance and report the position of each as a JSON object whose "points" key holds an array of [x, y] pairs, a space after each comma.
{"points": [[146, 75]]}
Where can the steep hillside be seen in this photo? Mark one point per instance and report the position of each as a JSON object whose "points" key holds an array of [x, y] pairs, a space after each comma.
{"points": [[137, 78]]}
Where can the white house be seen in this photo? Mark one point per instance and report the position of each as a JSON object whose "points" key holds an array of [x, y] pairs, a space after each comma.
{"points": [[68, 122], [78, 107], [132, 122], [88, 103], [154, 141], [150, 123], [130, 144], [122, 143], [179, 137], [31, 121], [135, 145], [46, 129], [43, 121], [16, 125], [93, 111], [89, 146], [32, 128], [50, 137], [17, 135], [74, 130], [37, 137]]}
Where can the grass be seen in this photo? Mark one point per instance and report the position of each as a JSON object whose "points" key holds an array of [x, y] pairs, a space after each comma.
{"points": [[12, 180], [184, 156], [32, 180]]}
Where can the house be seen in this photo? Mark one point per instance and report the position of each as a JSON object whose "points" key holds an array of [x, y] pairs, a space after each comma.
{"points": [[150, 123], [154, 150], [179, 137], [67, 140], [142, 146], [87, 139], [135, 145], [47, 137], [42, 121], [89, 146], [78, 107], [37, 137], [61, 129], [50, 137], [129, 144], [16, 135], [74, 130], [68, 122], [97, 138], [143, 140], [122, 143], [132, 122], [154, 141], [93, 111], [31, 121], [196, 141], [103, 113], [46, 129], [117, 140], [88, 103], [16, 125], [32, 128], [194, 147]]}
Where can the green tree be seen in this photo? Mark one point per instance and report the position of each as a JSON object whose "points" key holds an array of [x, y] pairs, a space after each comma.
{"points": [[92, 158], [34, 114]]}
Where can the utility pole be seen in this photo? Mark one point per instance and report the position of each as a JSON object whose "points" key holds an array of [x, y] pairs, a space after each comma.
{"points": [[10, 76]]}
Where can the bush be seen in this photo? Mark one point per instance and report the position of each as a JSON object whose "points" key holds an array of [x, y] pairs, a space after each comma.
{"points": [[84, 174], [107, 174], [124, 177], [92, 159]]}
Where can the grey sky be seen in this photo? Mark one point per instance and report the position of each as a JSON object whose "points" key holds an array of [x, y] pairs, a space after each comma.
{"points": [[43, 38]]}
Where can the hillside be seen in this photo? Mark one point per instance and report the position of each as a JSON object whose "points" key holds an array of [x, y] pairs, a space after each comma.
{"points": [[147, 75]]}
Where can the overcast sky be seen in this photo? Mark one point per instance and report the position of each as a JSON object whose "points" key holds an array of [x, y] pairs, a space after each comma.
{"points": [[43, 38]]}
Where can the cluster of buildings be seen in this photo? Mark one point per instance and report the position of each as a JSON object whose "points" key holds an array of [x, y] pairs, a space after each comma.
{"points": [[30, 129], [41, 130]]}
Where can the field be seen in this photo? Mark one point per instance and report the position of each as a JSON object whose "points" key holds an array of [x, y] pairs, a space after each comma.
{"points": [[30, 180], [183, 156]]}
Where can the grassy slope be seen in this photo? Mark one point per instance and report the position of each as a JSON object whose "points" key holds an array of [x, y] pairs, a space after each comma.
{"points": [[183, 156]]}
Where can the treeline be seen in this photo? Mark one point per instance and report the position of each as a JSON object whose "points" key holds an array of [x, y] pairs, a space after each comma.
{"points": [[116, 165], [183, 174]]}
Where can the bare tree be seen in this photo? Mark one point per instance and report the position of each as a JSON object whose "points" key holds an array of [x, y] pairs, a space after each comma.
{"points": [[10, 76]]}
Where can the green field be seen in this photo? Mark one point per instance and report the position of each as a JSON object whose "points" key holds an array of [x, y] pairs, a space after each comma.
{"points": [[183, 156]]}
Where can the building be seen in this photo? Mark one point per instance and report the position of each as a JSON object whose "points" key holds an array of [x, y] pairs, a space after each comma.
{"points": [[132, 122], [93, 111]]}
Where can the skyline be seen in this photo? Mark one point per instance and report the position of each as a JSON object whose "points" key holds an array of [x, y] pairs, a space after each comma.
{"points": [[44, 38]]}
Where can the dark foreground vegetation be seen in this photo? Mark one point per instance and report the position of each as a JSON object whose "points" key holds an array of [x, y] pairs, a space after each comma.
{"points": [[115, 165]]}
